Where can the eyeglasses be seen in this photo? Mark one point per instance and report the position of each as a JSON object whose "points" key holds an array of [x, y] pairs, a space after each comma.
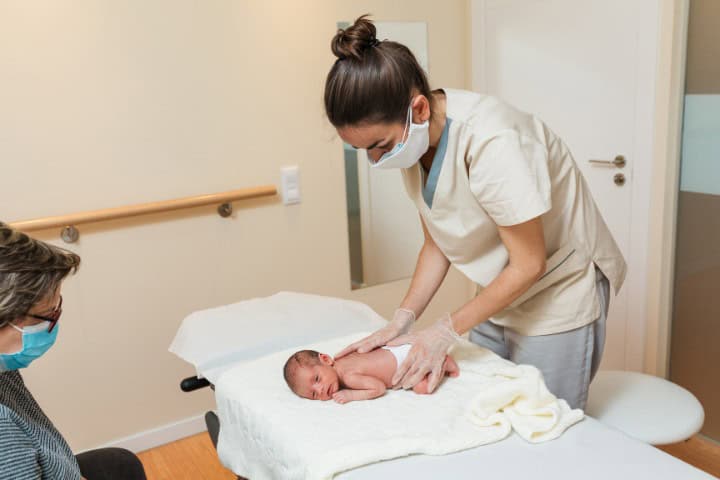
{"points": [[53, 317]]}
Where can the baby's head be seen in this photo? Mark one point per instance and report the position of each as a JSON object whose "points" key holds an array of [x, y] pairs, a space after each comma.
{"points": [[311, 375]]}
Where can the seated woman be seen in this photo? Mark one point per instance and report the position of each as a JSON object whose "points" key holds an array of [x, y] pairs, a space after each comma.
{"points": [[31, 276]]}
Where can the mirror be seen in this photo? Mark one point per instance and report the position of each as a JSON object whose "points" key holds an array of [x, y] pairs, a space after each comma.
{"points": [[384, 231]]}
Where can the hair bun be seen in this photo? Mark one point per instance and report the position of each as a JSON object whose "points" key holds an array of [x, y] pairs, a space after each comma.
{"points": [[354, 40]]}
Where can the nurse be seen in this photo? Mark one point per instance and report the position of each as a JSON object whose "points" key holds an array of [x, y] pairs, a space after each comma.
{"points": [[500, 198]]}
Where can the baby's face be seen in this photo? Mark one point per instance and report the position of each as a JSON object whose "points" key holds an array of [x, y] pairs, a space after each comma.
{"points": [[318, 382]]}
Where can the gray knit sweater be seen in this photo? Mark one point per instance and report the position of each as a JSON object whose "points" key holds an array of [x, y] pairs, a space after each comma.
{"points": [[30, 446]]}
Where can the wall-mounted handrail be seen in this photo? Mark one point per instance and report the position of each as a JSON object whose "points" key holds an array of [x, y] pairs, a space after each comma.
{"points": [[143, 208]]}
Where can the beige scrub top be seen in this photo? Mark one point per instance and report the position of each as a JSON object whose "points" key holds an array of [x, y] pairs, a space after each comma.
{"points": [[503, 167]]}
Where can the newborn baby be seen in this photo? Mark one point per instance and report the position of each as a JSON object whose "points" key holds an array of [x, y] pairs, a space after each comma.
{"points": [[358, 376]]}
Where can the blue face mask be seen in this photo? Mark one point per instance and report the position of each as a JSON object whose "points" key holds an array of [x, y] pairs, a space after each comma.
{"points": [[36, 340]]}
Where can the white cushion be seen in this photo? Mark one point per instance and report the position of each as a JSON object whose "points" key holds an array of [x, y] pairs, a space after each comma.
{"points": [[650, 409], [216, 339]]}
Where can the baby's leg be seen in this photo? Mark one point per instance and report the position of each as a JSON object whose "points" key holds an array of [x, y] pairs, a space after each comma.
{"points": [[451, 370]]}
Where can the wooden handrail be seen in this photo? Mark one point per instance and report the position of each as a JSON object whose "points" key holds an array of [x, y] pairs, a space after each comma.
{"points": [[143, 208]]}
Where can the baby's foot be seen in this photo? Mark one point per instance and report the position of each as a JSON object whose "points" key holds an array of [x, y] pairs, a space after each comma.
{"points": [[422, 387], [451, 367], [451, 370]]}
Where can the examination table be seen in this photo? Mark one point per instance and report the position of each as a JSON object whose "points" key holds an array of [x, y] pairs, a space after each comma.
{"points": [[215, 340]]}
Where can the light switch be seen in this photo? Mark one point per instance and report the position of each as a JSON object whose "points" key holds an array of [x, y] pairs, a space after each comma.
{"points": [[290, 184]]}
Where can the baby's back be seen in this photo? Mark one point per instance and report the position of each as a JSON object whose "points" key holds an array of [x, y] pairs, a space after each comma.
{"points": [[379, 363]]}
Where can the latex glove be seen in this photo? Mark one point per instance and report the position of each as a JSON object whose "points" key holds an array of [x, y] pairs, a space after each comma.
{"points": [[427, 355], [401, 322]]}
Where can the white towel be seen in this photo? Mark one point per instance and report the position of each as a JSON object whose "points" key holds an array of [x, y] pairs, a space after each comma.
{"points": [[267, 432]]}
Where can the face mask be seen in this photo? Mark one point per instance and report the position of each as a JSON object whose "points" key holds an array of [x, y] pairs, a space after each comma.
{"points": [[36, 340], [407, 154]]}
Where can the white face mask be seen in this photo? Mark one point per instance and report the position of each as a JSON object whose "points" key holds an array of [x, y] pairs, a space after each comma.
{"points": [[407, 154]]}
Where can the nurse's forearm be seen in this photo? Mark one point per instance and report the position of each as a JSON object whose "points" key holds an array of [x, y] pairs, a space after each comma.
{"points": [[525, 244], [430, 271], [501, 292]]}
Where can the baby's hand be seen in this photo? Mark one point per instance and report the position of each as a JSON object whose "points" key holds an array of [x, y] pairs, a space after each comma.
{"points": [[342, 396]]}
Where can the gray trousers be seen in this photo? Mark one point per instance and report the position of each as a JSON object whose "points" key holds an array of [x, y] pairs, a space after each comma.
{"points": [[567, 360]]}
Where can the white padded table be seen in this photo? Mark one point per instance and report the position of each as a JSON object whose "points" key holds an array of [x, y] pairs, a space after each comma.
{"points": [[650, 409], [587, 451], [213, 340]]}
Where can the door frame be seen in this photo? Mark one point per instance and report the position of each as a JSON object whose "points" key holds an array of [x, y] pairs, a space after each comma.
{"points": [[655, 177], [670, 94]]}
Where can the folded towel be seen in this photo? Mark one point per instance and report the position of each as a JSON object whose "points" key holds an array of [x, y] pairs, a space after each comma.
{"points": [[268, 432]]}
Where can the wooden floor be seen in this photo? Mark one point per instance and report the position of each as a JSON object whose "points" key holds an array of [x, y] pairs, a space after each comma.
{"points": [[191, 458], [698, 451], [194, 458]]}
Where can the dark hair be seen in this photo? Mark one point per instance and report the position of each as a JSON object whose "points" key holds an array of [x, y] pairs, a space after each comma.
{"points": [[371, 81], [30, 270], [302, 358]]}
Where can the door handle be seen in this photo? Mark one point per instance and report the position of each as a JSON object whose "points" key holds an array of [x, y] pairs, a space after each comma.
{"points": [[618, 162]]}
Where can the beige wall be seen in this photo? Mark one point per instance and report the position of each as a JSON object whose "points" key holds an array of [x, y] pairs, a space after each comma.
{"points": [[107, 103]]}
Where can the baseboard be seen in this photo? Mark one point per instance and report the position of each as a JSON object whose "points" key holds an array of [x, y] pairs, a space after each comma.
{"points": [[160, 435]]}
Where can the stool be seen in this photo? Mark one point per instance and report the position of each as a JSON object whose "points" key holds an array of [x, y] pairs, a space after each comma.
{"points": [[650, 409]]}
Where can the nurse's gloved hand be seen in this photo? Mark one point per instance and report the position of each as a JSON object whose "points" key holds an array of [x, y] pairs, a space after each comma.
{"points": [[427, 355], [400, 323]]}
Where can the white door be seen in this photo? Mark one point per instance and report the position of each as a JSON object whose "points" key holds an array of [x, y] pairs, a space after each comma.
{"points": [[586, 68]]}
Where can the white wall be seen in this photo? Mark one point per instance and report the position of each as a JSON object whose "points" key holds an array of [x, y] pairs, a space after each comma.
{"points": [[108, 103]]}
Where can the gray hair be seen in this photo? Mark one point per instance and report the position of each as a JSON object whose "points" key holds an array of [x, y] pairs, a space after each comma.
{"points": [[30, 271]]}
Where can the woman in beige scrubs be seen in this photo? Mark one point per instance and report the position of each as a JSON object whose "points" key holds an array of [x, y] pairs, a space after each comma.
{"points": [[500, 198]]}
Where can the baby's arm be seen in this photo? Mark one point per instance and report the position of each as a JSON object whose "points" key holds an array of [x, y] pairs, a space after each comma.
{"points": [[360, 387]]}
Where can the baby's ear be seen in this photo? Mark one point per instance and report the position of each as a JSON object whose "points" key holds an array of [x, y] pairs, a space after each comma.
{"points": [[326, 359]]}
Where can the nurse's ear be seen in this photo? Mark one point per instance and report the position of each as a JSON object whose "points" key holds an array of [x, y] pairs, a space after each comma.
{"points": [[420, 108]]}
